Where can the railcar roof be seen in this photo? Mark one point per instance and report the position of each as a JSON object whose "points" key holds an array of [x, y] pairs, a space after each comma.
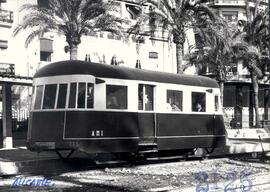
{"points": [[119, 72]]}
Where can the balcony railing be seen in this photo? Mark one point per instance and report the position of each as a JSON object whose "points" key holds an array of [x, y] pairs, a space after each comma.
{"points": [[6, 16], [229, 1], [235, 2], [7, 69]]}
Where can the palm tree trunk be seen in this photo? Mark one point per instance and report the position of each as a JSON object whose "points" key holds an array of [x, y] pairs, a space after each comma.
{"points": [[256, 99], [179, 57], [73, 50]]}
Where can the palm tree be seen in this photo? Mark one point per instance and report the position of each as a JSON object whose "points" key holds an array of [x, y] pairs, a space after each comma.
{"points": [[214, 52], [248, 48], [72, 18], [175, 17]]}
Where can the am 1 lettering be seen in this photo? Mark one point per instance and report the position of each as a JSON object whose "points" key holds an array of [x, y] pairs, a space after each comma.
{"points": [[97, 133]]}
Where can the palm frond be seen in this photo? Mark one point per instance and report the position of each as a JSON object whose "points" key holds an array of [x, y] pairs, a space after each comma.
{"points": [[73, 18], [35, 33]]}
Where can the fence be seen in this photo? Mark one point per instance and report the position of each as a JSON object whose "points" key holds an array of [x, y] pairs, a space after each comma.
{"points": [[243, 120]]}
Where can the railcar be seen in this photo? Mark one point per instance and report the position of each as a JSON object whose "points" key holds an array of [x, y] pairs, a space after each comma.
{"points": [[98, 108]]}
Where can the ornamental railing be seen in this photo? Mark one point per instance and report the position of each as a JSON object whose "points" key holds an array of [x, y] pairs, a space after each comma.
{"points": [[7, 69], [6, 16]]}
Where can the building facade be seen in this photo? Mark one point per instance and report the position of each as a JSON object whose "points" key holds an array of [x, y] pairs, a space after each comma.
{"points": [[155, 53], [238, 93]]}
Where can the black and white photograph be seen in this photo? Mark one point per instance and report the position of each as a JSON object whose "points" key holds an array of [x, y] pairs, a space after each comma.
{"points": [[135, 95]]}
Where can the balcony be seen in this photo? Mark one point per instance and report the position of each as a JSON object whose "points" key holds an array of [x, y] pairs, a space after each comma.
{"points": [[232, 3], [133, 1], [232, 74], [3, 44], [6, 18], [7, 69]]}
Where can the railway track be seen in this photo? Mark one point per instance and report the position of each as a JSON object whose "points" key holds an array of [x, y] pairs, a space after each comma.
{"points": [[255, 156], [73, 164]]}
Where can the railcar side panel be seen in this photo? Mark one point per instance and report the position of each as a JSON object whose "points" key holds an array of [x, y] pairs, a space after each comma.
{"points": [[100, 124], [185, 124], [182, 131]]}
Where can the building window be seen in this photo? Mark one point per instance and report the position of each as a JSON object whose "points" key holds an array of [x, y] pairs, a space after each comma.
{"points": [[62, 95], [231, 16], [38, 98], [116, 97], [153, 55], [113, 36], [198, 101], [146, 97], [231, 70], [43, 3], [45, 56], [49, 96], [46, 49], [93, 34], [138, 39], [3, 43], [174, 100]]}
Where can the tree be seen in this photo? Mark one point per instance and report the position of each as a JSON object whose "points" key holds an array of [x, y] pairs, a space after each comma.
{"points": [[213, 51], [72, 18], [248, 48], [175, 17]]}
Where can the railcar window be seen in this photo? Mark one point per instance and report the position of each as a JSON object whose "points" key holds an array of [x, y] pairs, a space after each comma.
{"points": [[49, 96], [72, 95], [146, 99], [62, 95], [216, 103], [198, 101], [116, 97], [38, 97], [174, 100], [90, 95], [140, 92], [81, 95]]}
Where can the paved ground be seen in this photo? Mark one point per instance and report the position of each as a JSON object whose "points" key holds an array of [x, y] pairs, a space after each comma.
{"points": [[206, 175]]}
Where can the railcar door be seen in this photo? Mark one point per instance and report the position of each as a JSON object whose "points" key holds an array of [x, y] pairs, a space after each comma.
{"points": [[146, 115], [217, 117], [219, 128]]}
